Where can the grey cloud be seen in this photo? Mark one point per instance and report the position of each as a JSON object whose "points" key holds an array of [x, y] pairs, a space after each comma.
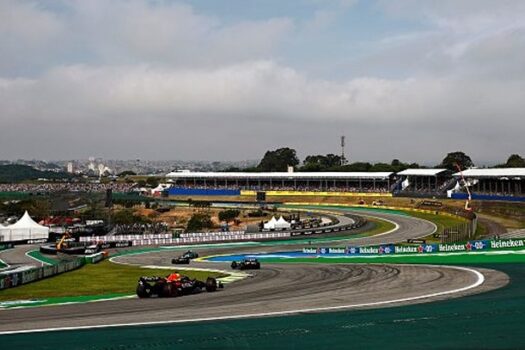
{"points": [[129, 79]]}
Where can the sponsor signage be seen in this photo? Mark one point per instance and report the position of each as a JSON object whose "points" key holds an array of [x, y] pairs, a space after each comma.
{"points": [[310, 250], [477, 245], [336, 251], [507, 243]]}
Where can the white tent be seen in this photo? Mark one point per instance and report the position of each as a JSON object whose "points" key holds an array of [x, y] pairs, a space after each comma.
{"points": [[282, 224], [270, 225], [160, 188], [24, 229]]}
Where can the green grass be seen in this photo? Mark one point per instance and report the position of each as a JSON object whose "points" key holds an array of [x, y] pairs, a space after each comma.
{"points": [[441, 221], [380, 226], [93, 279]]}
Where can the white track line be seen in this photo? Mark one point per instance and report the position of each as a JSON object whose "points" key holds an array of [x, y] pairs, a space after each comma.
{"points": [[42, 262], [479, 281]]}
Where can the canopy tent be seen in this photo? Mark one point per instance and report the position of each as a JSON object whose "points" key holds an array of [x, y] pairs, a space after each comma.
{"points": [[274, 224], [24, 229], [282, 224], [270, 225], [160, 188]]}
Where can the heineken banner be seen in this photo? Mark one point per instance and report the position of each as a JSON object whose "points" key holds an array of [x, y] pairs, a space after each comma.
{"points": [[478, 245]]}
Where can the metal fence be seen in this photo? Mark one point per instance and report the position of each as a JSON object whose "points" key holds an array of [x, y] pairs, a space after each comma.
{"points": [[460, 232]]}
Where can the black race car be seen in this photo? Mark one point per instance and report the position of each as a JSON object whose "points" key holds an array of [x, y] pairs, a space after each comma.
{"points": [[174, 285], [185, 258], [191, 255], [180, 260], [246, 264]]}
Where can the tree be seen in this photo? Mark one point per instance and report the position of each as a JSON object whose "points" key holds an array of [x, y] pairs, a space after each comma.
{"points": [[228, 214], [127, 217], [278, 160], [357, 166], [152, 181], [321, 163], [382, 167], [126, 173], [199, 221], [459, 158], [515, 161]]}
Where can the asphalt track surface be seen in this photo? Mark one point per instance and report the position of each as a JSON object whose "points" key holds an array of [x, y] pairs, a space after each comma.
{"points": [[17, 256], [276, 289]]}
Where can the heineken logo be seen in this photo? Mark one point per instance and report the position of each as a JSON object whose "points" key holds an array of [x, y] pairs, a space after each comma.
{"points": [[406, 249], [509, 243], [452, 247]]}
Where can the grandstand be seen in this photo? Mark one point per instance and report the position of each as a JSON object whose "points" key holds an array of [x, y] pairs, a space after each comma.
{"points": [[423, 182], [231, 183], [491, 184], [495, 183]]}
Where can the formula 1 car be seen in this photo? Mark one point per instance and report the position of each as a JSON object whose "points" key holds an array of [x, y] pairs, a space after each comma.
{"points": [[246, 264], [181, 260], [174, 285], [190, 255]]}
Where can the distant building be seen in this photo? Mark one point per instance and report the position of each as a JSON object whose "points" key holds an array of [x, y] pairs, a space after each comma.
{"points": [[70, 167]]}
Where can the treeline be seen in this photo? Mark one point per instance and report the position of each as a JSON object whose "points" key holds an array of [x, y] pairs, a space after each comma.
{"points": [[11, 173], [280, 159]]}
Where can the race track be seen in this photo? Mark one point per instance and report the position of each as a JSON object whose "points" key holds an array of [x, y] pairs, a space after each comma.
{"points": [[276, 289]]}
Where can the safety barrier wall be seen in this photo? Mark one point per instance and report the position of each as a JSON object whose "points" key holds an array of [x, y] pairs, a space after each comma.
{"points": [[486, 197], [120, 238], [14, 279], [212, 239], [212, 233], [167, 236], [94, 258], [367, 206], [390, 249], [183, 191], [4, 246]]}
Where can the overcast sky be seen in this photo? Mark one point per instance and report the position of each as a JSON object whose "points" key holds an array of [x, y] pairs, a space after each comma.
{"points": [[227, 80]]}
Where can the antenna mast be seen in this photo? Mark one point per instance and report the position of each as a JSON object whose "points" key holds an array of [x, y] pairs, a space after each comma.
{"points": [[343, 159]]}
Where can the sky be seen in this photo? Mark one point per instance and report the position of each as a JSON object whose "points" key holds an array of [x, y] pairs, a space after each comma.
{"points": [[228, 80]]}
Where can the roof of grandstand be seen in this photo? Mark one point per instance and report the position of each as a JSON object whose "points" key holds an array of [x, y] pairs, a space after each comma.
{"points": [[422, 172], [280, 175], [496, 172]]}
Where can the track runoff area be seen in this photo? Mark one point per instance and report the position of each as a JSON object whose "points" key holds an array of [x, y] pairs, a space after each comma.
{"points": [[295, 301]]}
